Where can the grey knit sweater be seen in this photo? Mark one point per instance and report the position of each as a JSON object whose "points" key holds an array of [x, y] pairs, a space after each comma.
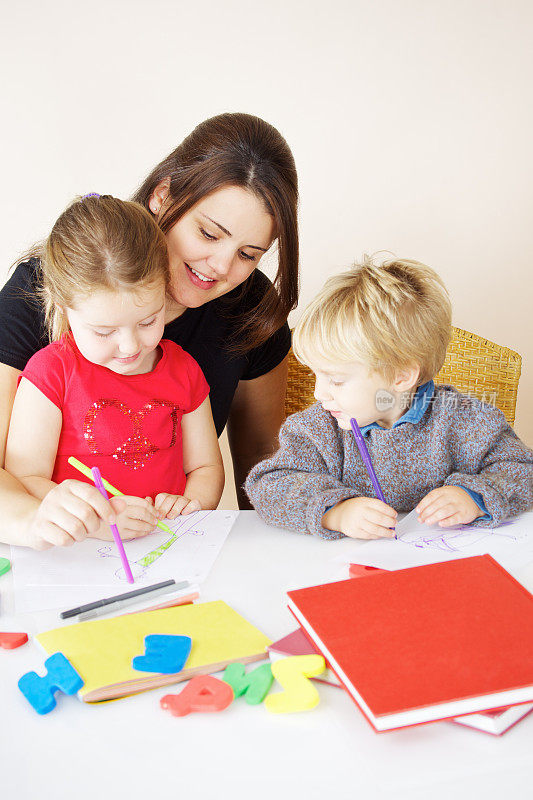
{"points": [[458, 441]]}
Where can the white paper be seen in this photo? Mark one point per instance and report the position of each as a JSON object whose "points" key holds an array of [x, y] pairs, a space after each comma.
{"points": [[70, 576], [511, 544]]}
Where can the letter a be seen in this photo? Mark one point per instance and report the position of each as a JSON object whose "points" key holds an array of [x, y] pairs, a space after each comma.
{"points": [[202, 693]]}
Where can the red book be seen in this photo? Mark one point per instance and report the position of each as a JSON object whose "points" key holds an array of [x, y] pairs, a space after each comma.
{"points": [[498, 721], [426, 643], [495, 722]]}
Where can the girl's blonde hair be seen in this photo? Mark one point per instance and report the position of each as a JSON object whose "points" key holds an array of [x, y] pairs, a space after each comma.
{"points": [[98, 242], [389, 317]]}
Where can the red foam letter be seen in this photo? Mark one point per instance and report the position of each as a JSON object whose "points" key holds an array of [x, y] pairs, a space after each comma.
{"points": [[202, 693]]}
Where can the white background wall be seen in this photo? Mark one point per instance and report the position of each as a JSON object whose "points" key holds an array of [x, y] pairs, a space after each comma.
{"points": [[410, 122]]}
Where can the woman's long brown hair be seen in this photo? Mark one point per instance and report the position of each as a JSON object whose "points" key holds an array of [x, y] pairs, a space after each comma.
{"points": [[239, 150]]}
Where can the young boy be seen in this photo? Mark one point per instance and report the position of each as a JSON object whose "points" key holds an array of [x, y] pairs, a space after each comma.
{"points": [[375, 337]]}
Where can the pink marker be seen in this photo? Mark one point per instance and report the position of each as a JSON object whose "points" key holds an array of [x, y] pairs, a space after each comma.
{"points": [[97, 478]]}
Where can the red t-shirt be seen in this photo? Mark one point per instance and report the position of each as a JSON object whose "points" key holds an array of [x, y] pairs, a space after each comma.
{"points": [[129, 426]]}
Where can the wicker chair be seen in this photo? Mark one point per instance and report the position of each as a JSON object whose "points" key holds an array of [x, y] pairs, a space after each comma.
{"points": [[473, 365]]}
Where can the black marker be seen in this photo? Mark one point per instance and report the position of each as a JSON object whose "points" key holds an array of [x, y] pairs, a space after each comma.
{"points": [[160, 588]]}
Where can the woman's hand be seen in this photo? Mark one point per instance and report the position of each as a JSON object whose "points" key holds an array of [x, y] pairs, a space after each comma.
{"points": [[447, 506]]}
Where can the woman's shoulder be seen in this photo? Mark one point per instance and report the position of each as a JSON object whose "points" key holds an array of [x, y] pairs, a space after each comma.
{"points": [[176, 358], [23, 278], [22, 327], [264, 357]]}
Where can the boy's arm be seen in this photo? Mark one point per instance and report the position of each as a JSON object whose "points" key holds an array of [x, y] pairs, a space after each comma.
{"points": [[202, 460], [296, 487], [493, 462]]}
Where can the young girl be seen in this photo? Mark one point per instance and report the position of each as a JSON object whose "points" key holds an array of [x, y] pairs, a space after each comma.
{"points": [[108, 390], [375, 337]]}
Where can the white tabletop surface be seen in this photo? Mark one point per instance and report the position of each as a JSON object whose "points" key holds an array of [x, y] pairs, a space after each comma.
{"points": [[132, 749]]}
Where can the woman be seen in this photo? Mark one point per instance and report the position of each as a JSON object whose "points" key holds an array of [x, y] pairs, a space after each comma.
{"points": [[221, 198]]}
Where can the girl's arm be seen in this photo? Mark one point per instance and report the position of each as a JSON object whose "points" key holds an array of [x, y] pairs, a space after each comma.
{"points": [[202, 459], [19, 508], [8, 388], [32, 440], [67, 512], [256, 415], [202, 464]]}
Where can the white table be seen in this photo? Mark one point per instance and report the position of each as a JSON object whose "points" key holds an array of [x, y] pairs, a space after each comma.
{"points": [[132, 749]]}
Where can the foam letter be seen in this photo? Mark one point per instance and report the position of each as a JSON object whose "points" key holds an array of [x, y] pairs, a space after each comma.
{"points": [[166, 654], [202, 693], [11, 640], [40, 691], [253, 686], [299, 694]]}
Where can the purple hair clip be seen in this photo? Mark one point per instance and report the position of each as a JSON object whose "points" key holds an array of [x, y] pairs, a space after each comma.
{"points": [[91, 194]]}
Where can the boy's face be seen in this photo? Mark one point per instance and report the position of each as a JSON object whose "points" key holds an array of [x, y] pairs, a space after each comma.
{"points": [[349, 389]]}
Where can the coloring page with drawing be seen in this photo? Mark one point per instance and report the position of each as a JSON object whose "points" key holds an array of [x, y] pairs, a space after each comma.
{"points": [[91, 569], [511, 544]]}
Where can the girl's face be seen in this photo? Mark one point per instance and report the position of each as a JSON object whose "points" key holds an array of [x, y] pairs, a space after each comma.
{"points": [[216, 245], [120, 330]]}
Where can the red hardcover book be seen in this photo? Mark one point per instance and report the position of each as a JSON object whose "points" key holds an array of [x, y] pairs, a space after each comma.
{"points": [[498, 721], [426, 643]]}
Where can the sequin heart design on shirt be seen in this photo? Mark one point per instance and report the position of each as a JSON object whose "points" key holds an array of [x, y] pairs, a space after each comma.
{"points": [[101, 430]]}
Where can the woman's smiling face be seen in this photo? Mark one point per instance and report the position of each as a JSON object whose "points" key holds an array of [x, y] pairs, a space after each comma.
{"points": [[216, 245]]}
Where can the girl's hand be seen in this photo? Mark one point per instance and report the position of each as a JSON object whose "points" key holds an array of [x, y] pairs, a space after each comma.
{"points": [[361, 518], [446, 506], [69, 513], [135, 517], [172, 505]]}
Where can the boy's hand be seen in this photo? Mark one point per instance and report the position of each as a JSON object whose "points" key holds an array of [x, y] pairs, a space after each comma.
{"points": [[172, 505], [447, 506], [361, 518]]}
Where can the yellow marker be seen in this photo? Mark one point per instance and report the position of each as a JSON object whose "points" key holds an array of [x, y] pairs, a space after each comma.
{"points": [[299, 693], [111, 489]]}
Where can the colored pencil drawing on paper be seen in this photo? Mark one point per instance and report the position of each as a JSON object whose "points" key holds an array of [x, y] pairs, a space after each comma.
{"points": [[458, 539], [68, 576], [187, 525], [511, 544]]}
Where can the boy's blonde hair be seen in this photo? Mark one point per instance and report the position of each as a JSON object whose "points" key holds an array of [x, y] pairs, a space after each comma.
{"points": [[98, 242], [389, 317]]}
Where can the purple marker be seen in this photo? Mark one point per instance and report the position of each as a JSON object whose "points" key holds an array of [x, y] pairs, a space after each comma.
{"points": [[365, 455], [97, 478]]}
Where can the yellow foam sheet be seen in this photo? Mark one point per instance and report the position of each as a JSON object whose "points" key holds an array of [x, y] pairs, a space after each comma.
{"points": [[102, 650]]}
